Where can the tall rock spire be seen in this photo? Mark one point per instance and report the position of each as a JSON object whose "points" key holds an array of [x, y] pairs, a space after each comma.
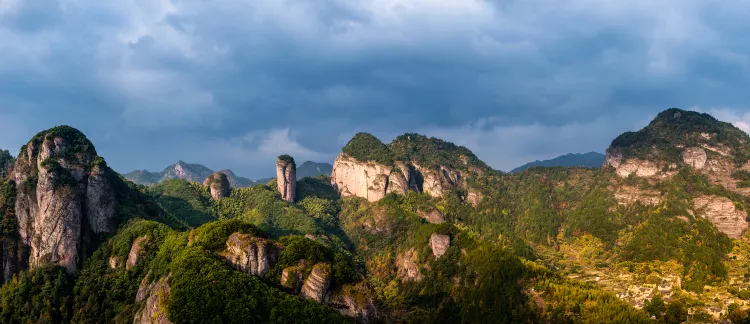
{"points": [[286, 177]]}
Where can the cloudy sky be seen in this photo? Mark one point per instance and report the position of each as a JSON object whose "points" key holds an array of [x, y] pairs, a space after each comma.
{"points": [[235, 83]]}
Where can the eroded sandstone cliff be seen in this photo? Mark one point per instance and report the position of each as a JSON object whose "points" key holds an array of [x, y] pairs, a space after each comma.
{"points": [[286, 178], [64, 197]]}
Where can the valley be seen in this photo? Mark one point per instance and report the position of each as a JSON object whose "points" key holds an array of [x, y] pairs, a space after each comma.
{"points": [[418, 230]]}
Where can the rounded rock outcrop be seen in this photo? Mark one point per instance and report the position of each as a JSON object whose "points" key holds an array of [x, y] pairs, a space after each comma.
{"points": [[218, 184], [286, 177]]}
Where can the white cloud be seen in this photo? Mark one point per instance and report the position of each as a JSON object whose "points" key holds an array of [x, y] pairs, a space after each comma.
{"points": [[739, 117]]}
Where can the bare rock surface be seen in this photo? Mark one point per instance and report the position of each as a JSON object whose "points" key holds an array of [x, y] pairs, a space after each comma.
{"points": [[292, 277], [695, 157], [286, 178], [253, 255], [135, 251], [629, 195], [317, 283], [155, 310], [433, 216], [439, 244], [722, 212], [64, 195], [218, 185]]}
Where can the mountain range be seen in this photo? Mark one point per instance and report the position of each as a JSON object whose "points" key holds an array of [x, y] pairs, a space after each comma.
{"points": [[418, 230], [588, 160], [199, 173]]}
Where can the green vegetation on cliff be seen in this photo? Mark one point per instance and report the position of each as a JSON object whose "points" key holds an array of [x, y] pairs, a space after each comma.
{"points": [[6, 163], [432, 152], [366, 147], [676, 127]]}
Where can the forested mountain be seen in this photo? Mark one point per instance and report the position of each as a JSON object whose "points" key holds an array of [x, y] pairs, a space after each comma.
{"points": [[199, 173], [418, 230], [589, 160]]}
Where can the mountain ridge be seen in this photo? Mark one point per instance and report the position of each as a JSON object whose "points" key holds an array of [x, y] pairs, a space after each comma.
{"points": [[589, 160]]}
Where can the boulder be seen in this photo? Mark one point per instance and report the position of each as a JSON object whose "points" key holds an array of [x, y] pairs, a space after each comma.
{"points": [[253, 255], [135, 252], [218, 185], [317, 283], [286, 177], [433, 216], [695, 157], [439, 244]]}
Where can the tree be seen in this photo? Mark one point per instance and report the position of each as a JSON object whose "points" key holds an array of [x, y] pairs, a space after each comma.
{"points": [[655, 306], [676, 313]]}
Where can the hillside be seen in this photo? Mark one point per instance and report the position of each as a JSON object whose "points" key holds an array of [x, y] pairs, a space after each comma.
{"points": [[199, 173], [6, 163], [415, 231], [588, 160], [313, 169], [185, 171]]}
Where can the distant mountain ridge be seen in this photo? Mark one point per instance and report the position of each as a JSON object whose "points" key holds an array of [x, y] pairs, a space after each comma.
{"points": [[198, 173], [590, 160]]}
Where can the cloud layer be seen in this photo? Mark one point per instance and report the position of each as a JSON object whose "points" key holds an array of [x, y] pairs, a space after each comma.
{"points": [[232, 83]]}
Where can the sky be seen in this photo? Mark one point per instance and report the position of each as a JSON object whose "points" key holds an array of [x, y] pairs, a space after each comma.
{"points": [[235, 83]]}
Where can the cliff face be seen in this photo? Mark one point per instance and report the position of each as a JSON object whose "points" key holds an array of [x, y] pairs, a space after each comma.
{"points": [[64, 197], [368, 180], [367, 168], [155, 310], [286, 178], [253, 255], [677, 138], [218, 185]]}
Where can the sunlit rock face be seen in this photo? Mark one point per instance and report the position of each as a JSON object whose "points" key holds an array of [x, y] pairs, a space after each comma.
{"points": [[286, 178], [64, 197]]}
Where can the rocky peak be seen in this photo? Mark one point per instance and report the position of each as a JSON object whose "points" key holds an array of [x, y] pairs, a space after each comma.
{"points": [[370, 169], [218, 185], [64, 196], [286, 177], [678, 138]]}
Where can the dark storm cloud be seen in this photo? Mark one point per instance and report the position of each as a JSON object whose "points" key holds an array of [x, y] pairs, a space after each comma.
{"points": [[232, 84]]}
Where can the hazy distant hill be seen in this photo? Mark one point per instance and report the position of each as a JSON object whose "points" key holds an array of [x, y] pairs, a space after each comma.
{"points": [[187, 171], [313, 169], [591, 160], [198, 173]]}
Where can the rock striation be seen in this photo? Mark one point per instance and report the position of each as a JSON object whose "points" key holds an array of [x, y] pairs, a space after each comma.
{"points": [[64, 197], [723, 213], [253, 255], [317, 283], [218, 185], [155, 310], [286, 177], [369, 169]]}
